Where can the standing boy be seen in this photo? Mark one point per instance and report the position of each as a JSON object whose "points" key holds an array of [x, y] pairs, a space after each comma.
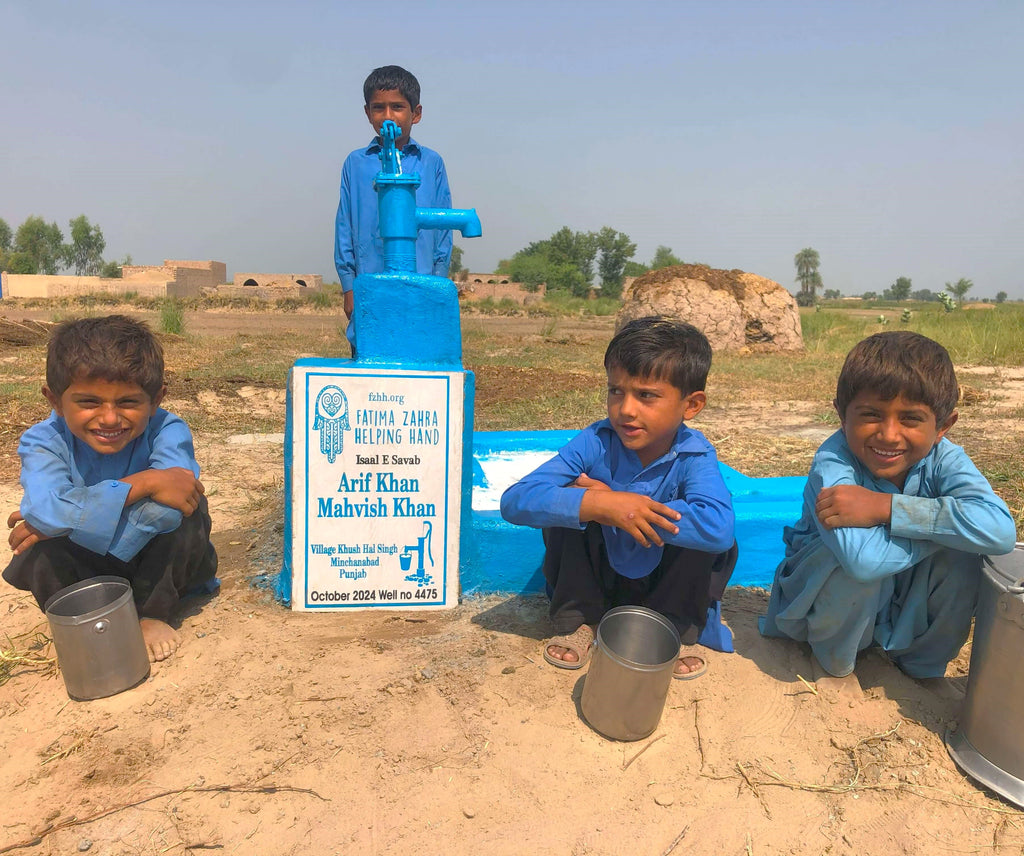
{"points": [[634, 508], [896, 520], [110, 478], [390, 92]]}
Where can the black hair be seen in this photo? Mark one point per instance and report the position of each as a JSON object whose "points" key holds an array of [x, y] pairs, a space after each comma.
{"points": [[115, 348], [900, 363], [663, 349], [389, 77]]}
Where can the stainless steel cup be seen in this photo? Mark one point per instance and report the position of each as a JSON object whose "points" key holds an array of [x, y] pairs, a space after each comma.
{"points": [[630, 672], [98, 639], [989, 744]]}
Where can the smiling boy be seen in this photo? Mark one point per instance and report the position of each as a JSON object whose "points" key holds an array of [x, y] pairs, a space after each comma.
{"points": [[389, 92], [896, 520], [634, 508], [111, 484]]}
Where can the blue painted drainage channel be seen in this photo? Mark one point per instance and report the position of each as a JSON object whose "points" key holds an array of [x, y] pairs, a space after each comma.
{"points": [[500, 557]]}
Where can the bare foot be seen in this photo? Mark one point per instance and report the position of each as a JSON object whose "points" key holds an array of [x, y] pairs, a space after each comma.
{"points": [[847, 687], [161, 639]]}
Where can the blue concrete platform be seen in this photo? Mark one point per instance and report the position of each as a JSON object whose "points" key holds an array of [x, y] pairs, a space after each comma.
{"points": [[500, 557]]}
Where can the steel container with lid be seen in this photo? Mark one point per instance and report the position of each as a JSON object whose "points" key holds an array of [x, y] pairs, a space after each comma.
{"points": [[989, 744]]}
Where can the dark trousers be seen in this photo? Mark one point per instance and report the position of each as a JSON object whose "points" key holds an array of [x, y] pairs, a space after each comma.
{"points": [[162, 571], [583, 586]]}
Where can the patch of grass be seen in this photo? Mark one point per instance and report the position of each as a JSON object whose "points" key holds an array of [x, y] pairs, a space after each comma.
{"points": [[320, 299], [490, 306], [172, 317], [972, 336]]}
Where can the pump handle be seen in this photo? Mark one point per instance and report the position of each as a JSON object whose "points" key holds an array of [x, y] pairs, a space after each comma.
{"points": [[390, 157]]}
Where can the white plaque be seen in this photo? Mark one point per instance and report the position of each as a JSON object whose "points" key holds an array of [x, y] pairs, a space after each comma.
{"points": [[376, 488]]}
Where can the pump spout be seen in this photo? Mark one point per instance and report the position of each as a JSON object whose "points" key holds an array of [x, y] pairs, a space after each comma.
{"points": [[463, 220]]}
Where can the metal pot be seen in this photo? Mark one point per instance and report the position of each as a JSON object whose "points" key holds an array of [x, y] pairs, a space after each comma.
{"points": [[989, 744], [635, 652], [98, 638]]}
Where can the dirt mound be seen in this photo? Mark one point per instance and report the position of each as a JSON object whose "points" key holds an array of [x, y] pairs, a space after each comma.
{"points": [[735, 310]]}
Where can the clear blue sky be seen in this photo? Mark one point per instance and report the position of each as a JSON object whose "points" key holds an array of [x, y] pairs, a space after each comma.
{"points": [[889, 136]]}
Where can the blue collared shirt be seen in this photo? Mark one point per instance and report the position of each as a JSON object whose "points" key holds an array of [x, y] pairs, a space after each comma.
{"points": [[945, 503], [686, 479], [357, 243], [72, 490]]}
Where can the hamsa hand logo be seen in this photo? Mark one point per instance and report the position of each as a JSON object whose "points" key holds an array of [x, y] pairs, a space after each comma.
{"points": [[330, 418]]}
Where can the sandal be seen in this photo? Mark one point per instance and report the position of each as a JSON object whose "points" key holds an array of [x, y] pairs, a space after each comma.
{"points": [[690, 652], [580, 641]]}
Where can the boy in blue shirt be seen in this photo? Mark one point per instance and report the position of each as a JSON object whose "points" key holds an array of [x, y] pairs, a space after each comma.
{"points": [[896, 520], [390, 92], [110, 478], [634, 508]]}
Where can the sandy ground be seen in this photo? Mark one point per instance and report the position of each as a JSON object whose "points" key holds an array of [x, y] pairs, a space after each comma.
{"points": [[275, 732], [272, 732]]}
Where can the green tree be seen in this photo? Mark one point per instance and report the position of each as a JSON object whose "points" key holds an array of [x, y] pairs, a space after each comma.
{"points": [[960, 289], [530, 270], [832, 294], [807, 262], [112, 269], [19, 263], [1001, 297], [85, 252], [43, 243], [6, 236], [634, 269], [664, 257], [577, 249], [901, 288], [923, 294], [616, 249], [455, 265]]}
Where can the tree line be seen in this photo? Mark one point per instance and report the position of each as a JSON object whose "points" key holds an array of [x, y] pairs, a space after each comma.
{"points": [[38, 247], [568, 262], [807, 262]]}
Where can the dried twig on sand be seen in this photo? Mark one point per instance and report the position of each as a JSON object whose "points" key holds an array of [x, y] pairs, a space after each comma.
{"points": [[641, 752], [854, 784], [215, 789], [26, 652]]}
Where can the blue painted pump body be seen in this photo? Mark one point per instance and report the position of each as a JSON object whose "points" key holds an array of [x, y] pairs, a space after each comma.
{"points": [[400, 220], [401, 316]]}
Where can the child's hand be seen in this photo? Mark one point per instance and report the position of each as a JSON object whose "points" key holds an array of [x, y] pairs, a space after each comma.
{"points": [[854, 506], [23, 535], [590, 484], [634, 513], [176, 488]]}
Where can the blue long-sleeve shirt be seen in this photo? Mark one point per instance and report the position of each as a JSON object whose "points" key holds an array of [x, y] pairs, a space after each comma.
{"points": [[686, 479], [357, 243], [72, 490], [945, 503]]}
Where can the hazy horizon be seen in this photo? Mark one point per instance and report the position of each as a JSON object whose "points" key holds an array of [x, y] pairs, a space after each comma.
{"points": [[885, 136]]}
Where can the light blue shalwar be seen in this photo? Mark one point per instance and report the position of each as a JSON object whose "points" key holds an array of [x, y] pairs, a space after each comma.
{"points": [[911, 586]]}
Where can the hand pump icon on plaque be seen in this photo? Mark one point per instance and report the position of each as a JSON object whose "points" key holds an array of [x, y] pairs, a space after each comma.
{"points": [[420, 549]]}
